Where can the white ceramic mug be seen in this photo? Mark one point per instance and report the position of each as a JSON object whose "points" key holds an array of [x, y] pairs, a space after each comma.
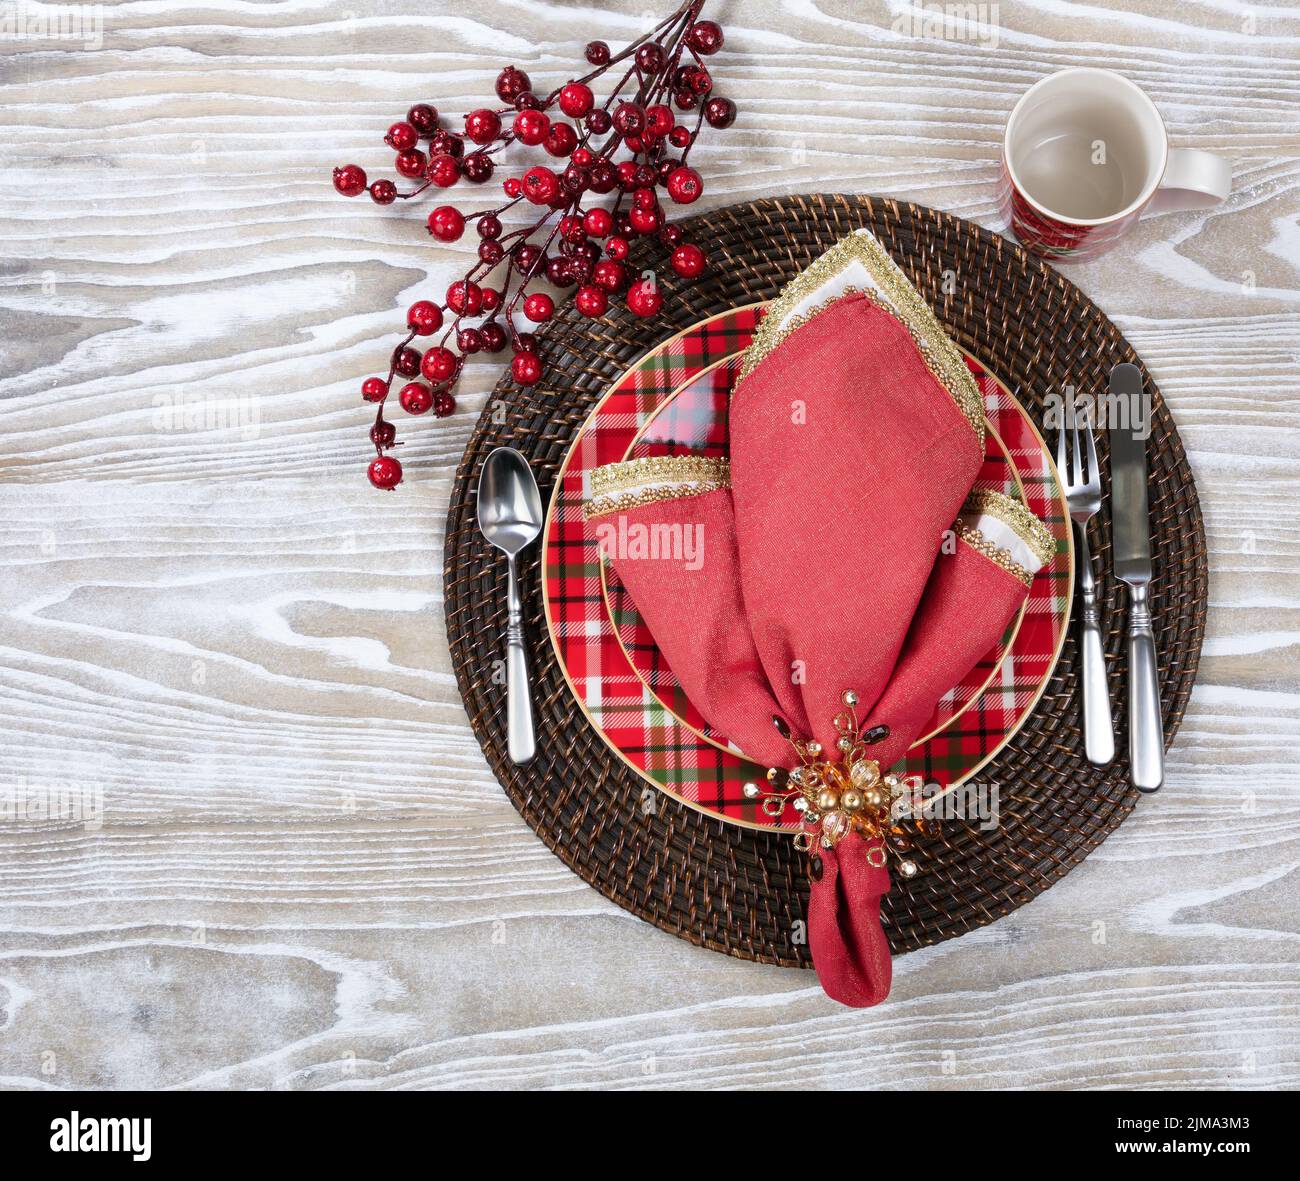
{"points": [[1085, 154]]}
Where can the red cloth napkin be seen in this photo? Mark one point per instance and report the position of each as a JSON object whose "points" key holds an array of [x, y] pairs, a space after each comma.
{"points": [[841, 549]]}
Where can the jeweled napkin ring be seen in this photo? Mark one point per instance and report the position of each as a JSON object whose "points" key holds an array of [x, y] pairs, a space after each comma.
{"points": [[846, 794]]}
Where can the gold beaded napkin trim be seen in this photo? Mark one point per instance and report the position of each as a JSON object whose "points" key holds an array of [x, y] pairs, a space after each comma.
{"points": [[1015, 516], [618, 487], [895, 295]]}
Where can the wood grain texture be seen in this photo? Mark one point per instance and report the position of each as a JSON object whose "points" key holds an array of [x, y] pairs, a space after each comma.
{"points": [[304, 874]]}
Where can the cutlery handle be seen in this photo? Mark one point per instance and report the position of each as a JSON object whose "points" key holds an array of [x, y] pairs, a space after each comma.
{"points": [[1098, 729], [520, 741], [1146, 737]]}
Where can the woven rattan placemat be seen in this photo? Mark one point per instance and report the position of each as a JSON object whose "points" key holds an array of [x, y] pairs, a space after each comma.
{"points": [[738, 890]]}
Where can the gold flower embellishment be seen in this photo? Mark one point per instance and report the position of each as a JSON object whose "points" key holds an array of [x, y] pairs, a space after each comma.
{"points": [[848, 793]]}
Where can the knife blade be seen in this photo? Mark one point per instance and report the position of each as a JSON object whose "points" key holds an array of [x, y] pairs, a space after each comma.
{"points": [[1130, 424]]}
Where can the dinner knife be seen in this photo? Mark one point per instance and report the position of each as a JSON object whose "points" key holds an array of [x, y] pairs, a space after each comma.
{"points": [[1130, 412]]}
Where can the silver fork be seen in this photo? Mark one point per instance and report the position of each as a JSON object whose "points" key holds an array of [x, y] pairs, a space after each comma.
{"points": [[1083, 495]]}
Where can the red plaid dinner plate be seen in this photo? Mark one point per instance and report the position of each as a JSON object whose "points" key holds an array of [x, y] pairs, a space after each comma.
{"points": [[675, 399]]}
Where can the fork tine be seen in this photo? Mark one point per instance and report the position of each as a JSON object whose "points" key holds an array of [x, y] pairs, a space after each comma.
{"points": [[1094, 474], [1061, 465], [1079, 476]]}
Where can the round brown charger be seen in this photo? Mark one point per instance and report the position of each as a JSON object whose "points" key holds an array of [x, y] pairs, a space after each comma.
{"points": [[744, 891]]}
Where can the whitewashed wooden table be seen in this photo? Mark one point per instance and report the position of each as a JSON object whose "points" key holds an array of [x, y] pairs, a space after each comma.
{"points": [[304, 874]]}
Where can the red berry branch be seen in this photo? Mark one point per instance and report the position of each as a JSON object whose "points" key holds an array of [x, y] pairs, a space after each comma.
{"points": [[572, 241]]}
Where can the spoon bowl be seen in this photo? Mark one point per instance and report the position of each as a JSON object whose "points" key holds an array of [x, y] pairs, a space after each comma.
{"points": [[509, 505]]}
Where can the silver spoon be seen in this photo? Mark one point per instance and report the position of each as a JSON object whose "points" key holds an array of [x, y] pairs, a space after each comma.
{"points": [[510, 517]]}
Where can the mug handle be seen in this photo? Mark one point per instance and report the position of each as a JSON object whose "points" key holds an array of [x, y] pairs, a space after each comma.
{"points": [[1193, 180]]}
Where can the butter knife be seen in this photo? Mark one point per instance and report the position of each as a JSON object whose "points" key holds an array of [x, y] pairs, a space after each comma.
{"points": [[1131, 554]]}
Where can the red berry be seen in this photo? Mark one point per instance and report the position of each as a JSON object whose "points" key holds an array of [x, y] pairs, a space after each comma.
{"points": [[719, 112], [444, 170], [349, 180], [561, 139], [571, 228], [527, 101], [482, 126], [671, 235], [685, 100], [385, 472], [597, 53], [410, 163], [424, 317], [465, 298], [629, 118], [402, 137], [609, 275], [415, 398], [491, 252], [688, 260], [576, 100], [599, 122], [494, 337], [383, 192], [531, 127], [650, 58], [616, 248], [602, 177], [423, 118], [560, 272], [383, 434], [539, 307], [489, 226], [443, 404], [684, 185], [477, 167], [446, 223], [528, 258], [443, 143], [526, 368], [705, 37], [374, 389], [513, 187], [491, 299], [406, 361], [643, 297], [645, 221], [440, 365], [680, 136], [698, 79], [591, 300], [575, 178], [469, 340], [598, 222], [541, 185], [659, 120], [511, 83]]}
